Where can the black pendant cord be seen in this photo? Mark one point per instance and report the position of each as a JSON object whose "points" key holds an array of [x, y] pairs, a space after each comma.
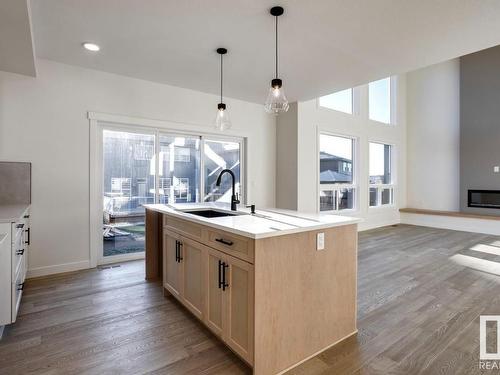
{"points": [[276, 46], [221, 77]]}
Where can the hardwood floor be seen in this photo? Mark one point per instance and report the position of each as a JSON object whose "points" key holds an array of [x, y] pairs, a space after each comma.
{"points": [[420, 293]]}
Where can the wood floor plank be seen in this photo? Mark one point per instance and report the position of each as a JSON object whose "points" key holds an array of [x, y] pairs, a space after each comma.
{"points": [[418, 313]]}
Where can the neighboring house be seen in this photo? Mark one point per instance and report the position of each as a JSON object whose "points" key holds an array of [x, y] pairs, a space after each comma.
{"points": [[334, 169]]}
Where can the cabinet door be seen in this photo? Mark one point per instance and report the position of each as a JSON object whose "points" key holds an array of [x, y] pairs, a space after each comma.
{"points": [[214, 316], [5, 274], [193, 279], [172, 269], [239, 305], [27, 241]]}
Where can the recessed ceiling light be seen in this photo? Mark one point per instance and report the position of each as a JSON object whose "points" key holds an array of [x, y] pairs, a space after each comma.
{"points": [[91, 46]]}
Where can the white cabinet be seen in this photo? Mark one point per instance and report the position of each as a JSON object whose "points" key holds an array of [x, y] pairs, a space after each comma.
{"points": [[14, 243]]}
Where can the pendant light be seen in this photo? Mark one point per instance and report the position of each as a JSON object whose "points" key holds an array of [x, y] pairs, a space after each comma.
{"points": [[222, 121], [276, 100]]}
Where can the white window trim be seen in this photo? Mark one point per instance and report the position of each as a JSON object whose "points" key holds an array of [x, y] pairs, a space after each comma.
{"points": [[380, 187], [100, 121], [338, 186]]}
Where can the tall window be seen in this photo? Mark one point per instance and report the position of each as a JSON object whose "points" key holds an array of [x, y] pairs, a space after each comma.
{"points": [[381, 179], [339, 101], [379, 100], [336, 174]]}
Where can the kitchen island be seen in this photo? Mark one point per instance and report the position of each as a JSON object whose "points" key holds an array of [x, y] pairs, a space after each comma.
{"points": [[278, 287]]}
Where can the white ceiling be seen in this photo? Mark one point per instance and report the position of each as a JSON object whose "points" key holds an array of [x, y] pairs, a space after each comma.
{"points": [[16, 43], [325, 44]]}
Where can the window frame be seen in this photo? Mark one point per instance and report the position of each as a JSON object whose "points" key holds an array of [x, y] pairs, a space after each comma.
{"points": [[392, 102], [381, 187], [336, 187], [98, 122]]}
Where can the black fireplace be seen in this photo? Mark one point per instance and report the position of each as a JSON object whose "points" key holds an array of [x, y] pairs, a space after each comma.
{"points": [[484, 198]]}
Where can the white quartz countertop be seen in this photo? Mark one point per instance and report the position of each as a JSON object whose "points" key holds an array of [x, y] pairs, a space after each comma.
{"points": [[12, 212], [265, 223]]}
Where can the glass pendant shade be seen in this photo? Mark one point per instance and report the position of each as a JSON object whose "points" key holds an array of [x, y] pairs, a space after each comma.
{"points": [[276, 100], [222, 121]]}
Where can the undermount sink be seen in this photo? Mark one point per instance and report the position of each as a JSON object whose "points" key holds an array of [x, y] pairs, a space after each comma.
{"points": [[210, 213]]}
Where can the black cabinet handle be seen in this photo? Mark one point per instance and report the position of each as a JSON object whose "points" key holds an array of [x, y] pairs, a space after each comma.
{"points": [[225, 242], [177, 251], [20, 252], [27, 242], [19, 226], [220, 273], [20, 286], [224, 284], [26, 216], [180, 252]]}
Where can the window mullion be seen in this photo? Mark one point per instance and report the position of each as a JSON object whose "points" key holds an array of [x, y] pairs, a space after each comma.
{"points": [[202, 169], [157, 167]]}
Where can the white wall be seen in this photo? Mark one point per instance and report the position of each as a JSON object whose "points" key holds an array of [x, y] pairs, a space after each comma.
{"points": [[44, 120], [313, 119], [433, 119]]}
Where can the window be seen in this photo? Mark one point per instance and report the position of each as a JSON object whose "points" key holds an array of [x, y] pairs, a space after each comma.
{"points": [[381, 180], [219, 155], [185, 161], [339, 101], [179, 169], [337, 188], [379, 100]]}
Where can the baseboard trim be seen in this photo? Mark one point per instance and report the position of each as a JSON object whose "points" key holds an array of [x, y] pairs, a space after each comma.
{"points": [[465, 224], [383, 223], [57, 268]]}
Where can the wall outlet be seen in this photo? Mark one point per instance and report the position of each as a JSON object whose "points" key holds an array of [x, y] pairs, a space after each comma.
{"points": [[496, 169], [320, 241]]}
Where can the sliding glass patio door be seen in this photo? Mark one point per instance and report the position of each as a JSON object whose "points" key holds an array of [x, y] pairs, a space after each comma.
{"points": [[128, 184], [140, 165]]}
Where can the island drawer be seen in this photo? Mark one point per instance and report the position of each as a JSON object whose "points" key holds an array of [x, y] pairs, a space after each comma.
{"points": [[183, 227], [237, 246]]}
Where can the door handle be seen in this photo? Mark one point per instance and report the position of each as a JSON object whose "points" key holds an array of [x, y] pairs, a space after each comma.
{"points": [[220, 273], [27, 242], [225, 242], [224, 284], [181, 245], [177, 251]]}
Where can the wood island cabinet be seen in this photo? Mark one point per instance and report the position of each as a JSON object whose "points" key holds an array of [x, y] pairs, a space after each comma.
{"points": [[216, 287], [274, 301]]}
